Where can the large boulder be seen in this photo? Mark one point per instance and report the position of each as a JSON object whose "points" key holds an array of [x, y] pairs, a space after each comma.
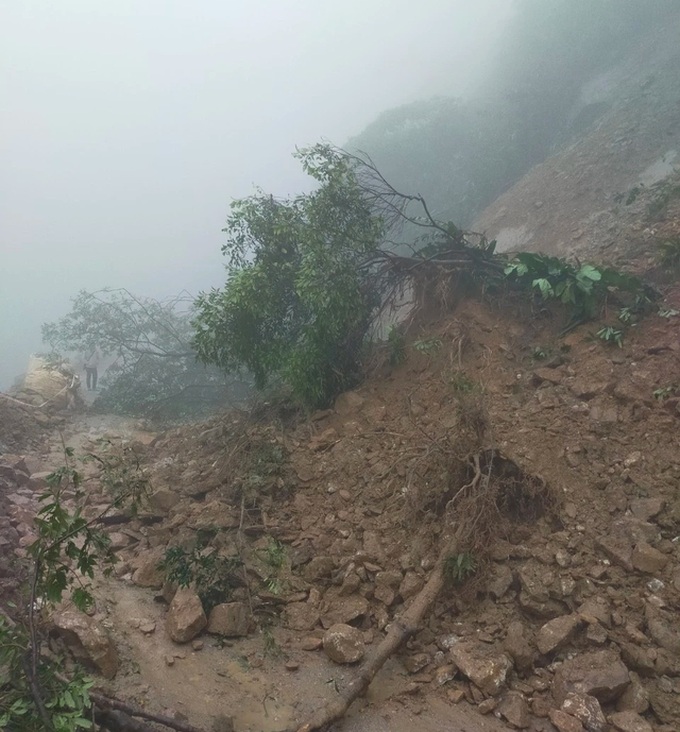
{"points": [[486, 666], [186, 618], [601, 674], [87, 640], [230, 619], [343, 644]]}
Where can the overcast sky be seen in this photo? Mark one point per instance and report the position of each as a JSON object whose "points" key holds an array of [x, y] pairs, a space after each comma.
{"points": [[127, 127]]}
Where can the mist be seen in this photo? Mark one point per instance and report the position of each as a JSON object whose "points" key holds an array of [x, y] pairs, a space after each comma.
{"points": [[128, 128]]}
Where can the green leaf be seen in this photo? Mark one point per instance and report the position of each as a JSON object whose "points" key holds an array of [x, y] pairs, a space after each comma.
{"points": [[544, 286]]}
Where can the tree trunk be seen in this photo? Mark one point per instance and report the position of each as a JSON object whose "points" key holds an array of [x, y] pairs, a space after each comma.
{"points": [[399, 631]]}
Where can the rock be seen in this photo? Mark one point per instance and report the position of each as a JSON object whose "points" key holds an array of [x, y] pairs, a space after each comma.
{"points": [[292, 665], [565, 722], [230, 619], [391, 579], [487, 705], [598, 608], [484, 665], [373, 545], [384, 594], [147, 627], [411, 585], [647, 559], [646, 508], [197, 645], [618, 550], [349, 403], [557, 633], [87, 640], [536, 580], [518, 647], [586, 709], [119, 540], [500, 581], [515, 710], [416, 662], [185, 618], [600, 674], [551, 376], [638, 658], [163, 499], [663, 629], [323, 440], [301, 616], [444, 674], [148, 572], [455, 696], [343, 610], [318, 569], [310, 643], [343, 644], [634, 698], [629, 722]]}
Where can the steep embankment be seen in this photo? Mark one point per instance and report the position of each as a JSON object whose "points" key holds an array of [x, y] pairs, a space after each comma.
{"points": [[592, 198], [578, 580]]}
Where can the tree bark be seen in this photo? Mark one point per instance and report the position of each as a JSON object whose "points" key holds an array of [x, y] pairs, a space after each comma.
{"points": [[399, 631]]}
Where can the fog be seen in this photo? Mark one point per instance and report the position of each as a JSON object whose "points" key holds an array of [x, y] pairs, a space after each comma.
{"points": [[128, 127]]}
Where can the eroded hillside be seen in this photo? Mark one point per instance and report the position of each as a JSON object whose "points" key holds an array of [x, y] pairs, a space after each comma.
{"points": [[566, 587]]}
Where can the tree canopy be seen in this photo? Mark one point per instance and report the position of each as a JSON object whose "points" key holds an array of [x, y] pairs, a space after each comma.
{"points": [[308, 275], [152, 366]]}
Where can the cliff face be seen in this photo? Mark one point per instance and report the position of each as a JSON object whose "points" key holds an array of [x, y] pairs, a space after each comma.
{"points": [[594, 198]]}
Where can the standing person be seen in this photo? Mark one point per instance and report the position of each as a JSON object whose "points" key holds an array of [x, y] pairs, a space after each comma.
{"points": [[91, 364]]}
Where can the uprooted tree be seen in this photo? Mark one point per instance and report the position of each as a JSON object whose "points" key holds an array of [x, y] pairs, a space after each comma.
{"points": [[313, 277], [153, 369], [309, 276]]}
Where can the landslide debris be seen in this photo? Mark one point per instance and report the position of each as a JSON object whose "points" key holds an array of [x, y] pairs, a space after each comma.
{"points": [[567, 611]]}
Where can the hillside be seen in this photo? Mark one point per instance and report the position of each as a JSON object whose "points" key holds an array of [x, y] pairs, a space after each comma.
{"points": [[577, 571], [533, 469], [598, 197]]}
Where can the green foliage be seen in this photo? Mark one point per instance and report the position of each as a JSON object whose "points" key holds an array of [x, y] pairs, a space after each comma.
{"points": [[540, 353], [213, 576], [665, 392], [582, 288], [668, 312], [397, 346], [275, 554], [669, 254], [262, 465], [458, 567], [294, 308], [461, 383], [428, 346], [150, 368], [34, 693], [274, 558], [611, 335]]}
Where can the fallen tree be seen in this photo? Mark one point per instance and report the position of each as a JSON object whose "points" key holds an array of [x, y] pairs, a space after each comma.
{"points": [[399, 631], [150, 366]]}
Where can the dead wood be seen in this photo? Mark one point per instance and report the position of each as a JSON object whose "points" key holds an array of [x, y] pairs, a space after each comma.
{"points": [[120, 716], [398, 632]]}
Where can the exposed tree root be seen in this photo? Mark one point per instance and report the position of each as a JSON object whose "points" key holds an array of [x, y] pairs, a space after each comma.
{"points": [[399, 631]]}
